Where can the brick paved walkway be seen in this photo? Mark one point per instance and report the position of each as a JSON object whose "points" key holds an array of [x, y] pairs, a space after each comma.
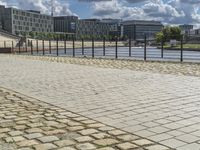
{"points": [[160, 107], [27, 124]]}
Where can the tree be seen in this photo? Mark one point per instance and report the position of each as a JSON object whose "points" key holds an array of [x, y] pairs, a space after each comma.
{"points": [[32, 34], [159, 37], [175, 33], [168, 33]]}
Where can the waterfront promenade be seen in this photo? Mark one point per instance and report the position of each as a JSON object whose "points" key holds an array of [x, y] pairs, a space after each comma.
{"points": [[156, 101]]}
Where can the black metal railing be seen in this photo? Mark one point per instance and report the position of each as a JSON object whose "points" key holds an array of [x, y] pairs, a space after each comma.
{"points": [[104, 48]]}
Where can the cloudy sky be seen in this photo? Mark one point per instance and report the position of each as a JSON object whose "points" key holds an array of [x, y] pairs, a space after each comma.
{"points": [[167, 11]]}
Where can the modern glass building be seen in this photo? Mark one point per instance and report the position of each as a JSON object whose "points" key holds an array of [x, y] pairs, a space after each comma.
{"points": [[137, 29], [17, 21], [65, 24], [115, 27], [92, 28]]}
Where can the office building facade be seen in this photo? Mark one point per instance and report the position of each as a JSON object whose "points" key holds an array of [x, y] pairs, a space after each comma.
{"points": [[137, 29], [92, 28], [17, 21], [65, 24], [115, 27], [187, 29]]}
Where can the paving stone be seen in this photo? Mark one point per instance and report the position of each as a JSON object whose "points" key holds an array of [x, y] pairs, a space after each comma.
{"points": [[80, 118], [54, 132], [9, 117], [158, 129], [192, 146], [27, 143], [85, 146], [46, 146], [88, 131], [70, 135], [62, 143], [76, 128], [74, 123], [187, 138], [4, 130], [174, 143], [156, 147], [66, 148], [15, 133], [161, 137], [143, 142], [126, 146], [84, 139], [106, 142], [116, 132], [20, 127], [14, 139], [127, 137], [35, 125], [3, 135], [88, 121], [100, 135], [96, 125], [106, 148], [106, 128], [51, 123], [25, 148], [33, 135], [46, 139], [34, 130]]}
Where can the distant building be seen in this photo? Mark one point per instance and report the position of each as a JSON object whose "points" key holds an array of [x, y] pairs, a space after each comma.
{"points": [[92, 27], [186, 29], [65, 24], [17, 21], [115, 26], [137, 29]]}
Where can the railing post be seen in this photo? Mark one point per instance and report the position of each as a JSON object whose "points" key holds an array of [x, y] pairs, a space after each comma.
{"points": [[181, 49], [50, 46], [37, 46], [31, 47], [130, 47], [162, 48], [57, 47], [26, 46], [104, 46], [83, 53], [145, 47], [4, 44], [116, 48], [73, 40], [65, 46], [92, 47], [19, 47], [43, 47], [12, 47]]}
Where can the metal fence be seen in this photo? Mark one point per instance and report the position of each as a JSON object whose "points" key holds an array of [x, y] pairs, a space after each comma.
{"points": [[104, 49]]}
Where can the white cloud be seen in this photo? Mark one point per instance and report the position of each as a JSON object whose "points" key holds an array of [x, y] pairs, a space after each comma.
{"points": [[45, 6], [2, 2], [172, 11], [115, 9]]}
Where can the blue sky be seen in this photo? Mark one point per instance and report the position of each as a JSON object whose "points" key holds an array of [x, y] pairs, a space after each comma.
{"points": [[166, 11]]}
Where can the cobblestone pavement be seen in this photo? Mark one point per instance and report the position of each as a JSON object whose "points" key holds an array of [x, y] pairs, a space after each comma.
{"points": [[175, 68], [160, 107], [27, 124]]}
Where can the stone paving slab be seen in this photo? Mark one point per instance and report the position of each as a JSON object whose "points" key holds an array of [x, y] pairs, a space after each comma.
{"points": [[163, 106], [27, 124]]}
